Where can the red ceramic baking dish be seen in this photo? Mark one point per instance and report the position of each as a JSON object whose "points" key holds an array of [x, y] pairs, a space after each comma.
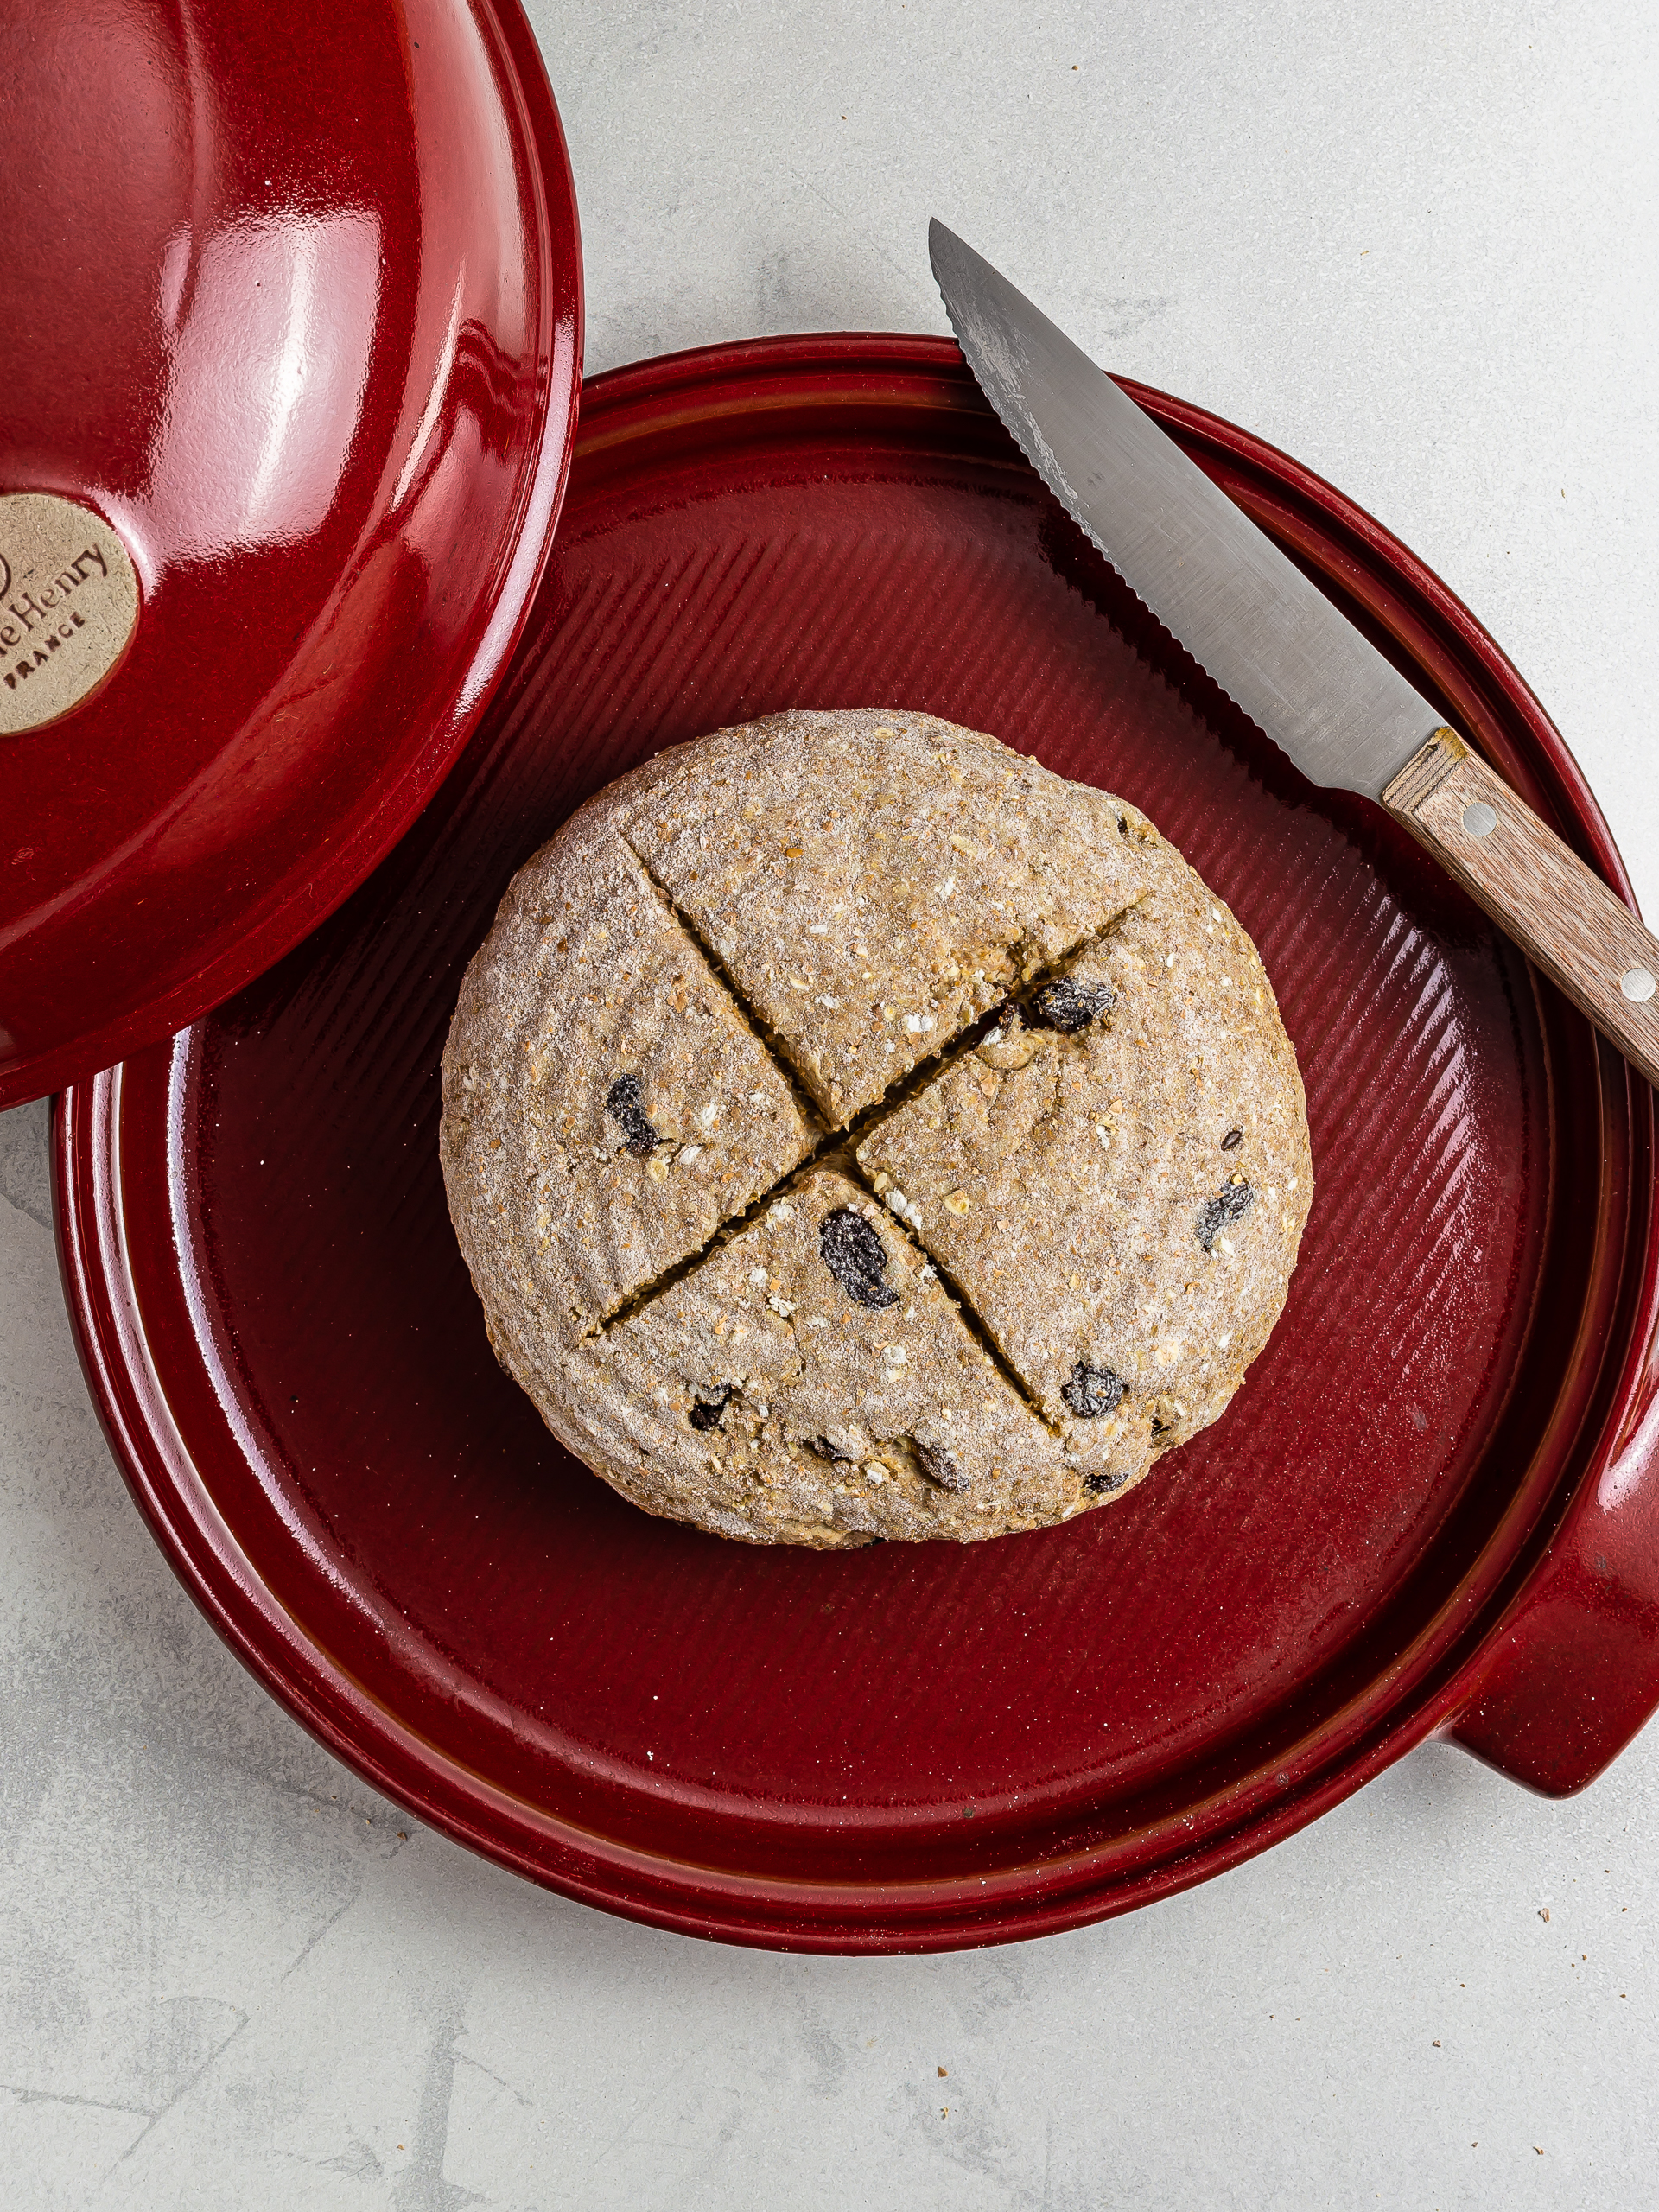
{"points": [[1431, 1509], [290, 324]]}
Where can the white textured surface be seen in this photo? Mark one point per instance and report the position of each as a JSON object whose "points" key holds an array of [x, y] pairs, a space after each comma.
{"points": [[1414, 243]]}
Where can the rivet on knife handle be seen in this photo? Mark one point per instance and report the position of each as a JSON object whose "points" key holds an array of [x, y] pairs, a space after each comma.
{"points": [[1562, 916]]}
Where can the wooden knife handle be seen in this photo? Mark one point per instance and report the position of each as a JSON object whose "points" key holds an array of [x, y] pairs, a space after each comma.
{"points": [[1582, 936]]}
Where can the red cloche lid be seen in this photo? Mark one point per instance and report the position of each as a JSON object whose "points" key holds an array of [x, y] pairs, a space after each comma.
{"points": [[290, 334]]}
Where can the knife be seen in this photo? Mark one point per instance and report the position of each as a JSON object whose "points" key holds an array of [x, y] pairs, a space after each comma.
{"points": [[1281, 650]]}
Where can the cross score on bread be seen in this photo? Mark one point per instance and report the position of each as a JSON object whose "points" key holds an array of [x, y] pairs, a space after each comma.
{"points": [[854, 1129]]}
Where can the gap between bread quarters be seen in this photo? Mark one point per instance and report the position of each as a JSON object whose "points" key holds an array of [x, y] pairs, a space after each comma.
{"points": [[834, 1155], [836, 1149]]}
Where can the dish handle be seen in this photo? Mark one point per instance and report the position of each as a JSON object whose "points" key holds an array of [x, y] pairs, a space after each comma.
{"points": [[1573, 1673]]}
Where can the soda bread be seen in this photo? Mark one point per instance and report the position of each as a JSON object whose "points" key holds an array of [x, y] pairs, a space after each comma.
{"points": [[855, 1130]]}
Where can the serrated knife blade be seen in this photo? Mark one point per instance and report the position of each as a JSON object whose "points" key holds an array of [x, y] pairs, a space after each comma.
{"points": [[1278, 647], [1272, 641]]}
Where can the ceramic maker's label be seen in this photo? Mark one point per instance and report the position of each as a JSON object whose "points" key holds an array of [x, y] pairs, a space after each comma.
{"points": [[68, 605]]}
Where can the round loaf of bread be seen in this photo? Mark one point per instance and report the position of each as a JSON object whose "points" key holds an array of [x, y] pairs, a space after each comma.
{"points": [[855, 1130]]}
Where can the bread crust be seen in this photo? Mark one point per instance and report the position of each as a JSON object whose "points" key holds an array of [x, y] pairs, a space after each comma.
{"points": [[864, 967]]}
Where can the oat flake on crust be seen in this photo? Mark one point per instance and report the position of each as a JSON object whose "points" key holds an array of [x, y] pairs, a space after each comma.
{"points": [[1046, 1258]]}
